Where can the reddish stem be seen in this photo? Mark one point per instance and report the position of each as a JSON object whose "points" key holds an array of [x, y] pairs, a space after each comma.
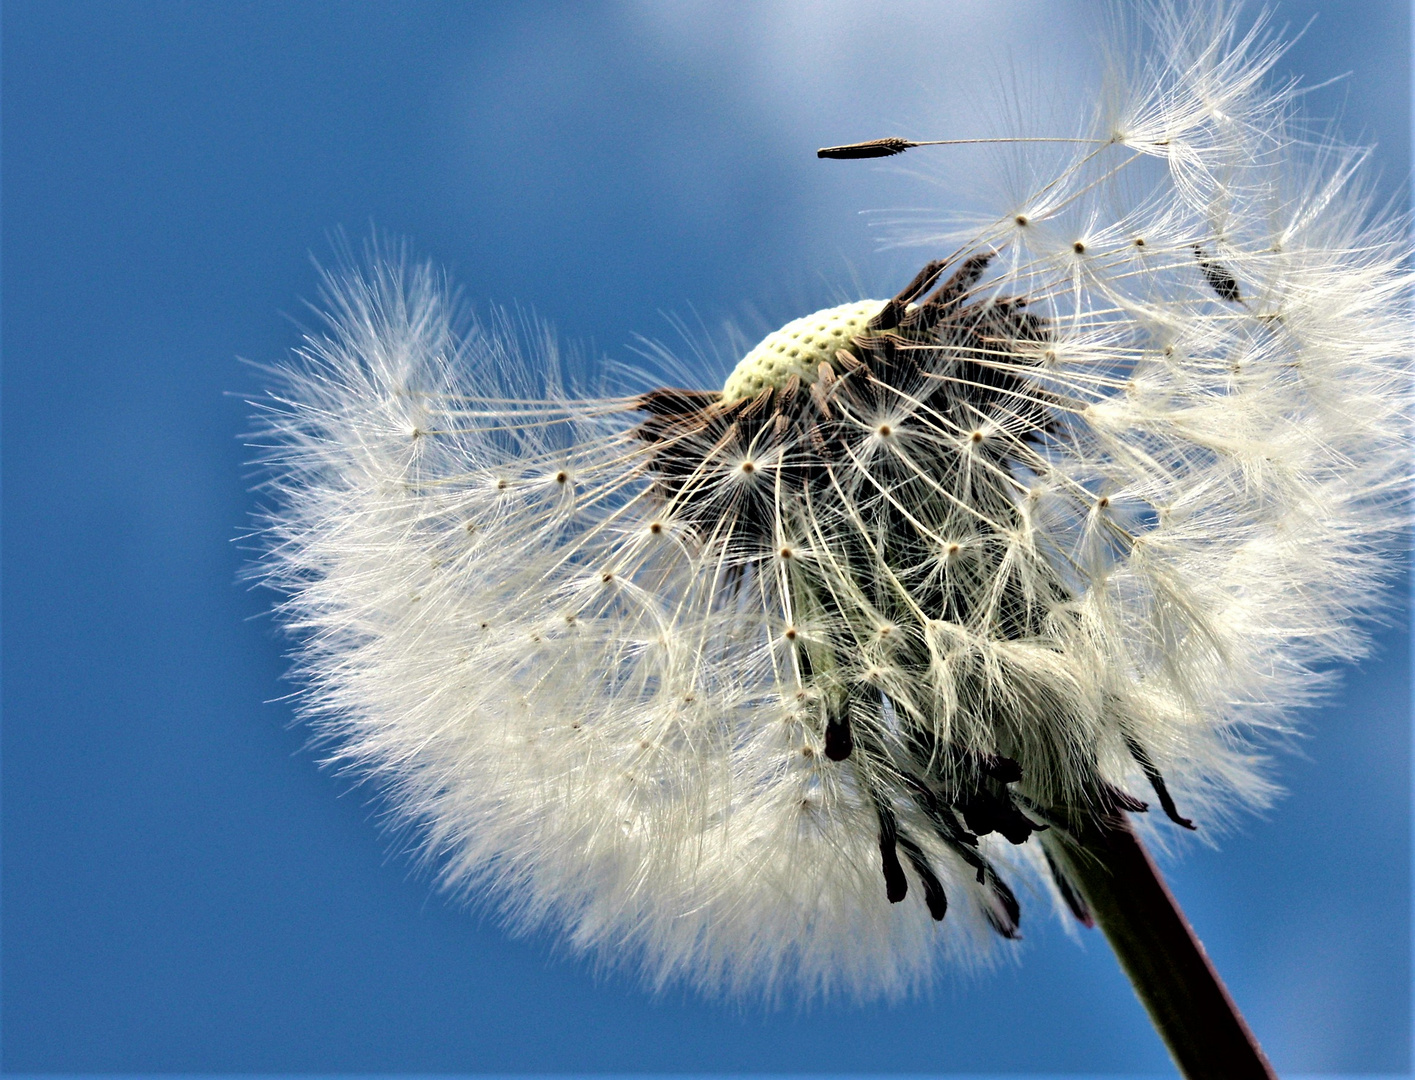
{"points": [[1167, 965]]}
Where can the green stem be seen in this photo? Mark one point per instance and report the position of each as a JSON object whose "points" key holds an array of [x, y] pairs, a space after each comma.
{"points": [[1172, 975]]}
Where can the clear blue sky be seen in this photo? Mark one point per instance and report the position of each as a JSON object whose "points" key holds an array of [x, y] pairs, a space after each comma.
{"points": [[184, 890]]}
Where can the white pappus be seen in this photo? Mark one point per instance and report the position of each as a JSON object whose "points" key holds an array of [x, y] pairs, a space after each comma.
{"points": [[771, 687]]}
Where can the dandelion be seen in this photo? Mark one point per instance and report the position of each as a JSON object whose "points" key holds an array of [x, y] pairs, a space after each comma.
{"points": [[806, 683]]}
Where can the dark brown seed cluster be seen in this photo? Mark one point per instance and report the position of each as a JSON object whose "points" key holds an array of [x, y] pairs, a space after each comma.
{"points": [[951, 364]]}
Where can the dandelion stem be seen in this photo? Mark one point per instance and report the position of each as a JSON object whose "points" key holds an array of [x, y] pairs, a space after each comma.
{"points": [[1167, 965]]}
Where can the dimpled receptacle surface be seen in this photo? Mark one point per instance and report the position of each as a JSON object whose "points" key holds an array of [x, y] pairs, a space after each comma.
{"points": [[799, 348]]}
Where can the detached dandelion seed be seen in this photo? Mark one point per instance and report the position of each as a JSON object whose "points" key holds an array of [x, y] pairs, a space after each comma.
{"points": [[806, 684]]}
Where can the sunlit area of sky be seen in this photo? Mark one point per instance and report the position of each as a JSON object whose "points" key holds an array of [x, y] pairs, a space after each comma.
{"points": [[185, 890]]}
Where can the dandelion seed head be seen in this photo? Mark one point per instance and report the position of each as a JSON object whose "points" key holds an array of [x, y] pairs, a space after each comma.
{"points": [[771, 688]]}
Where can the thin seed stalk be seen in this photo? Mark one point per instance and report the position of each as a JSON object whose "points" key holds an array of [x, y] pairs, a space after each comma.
{"points": [[1157, 948]]}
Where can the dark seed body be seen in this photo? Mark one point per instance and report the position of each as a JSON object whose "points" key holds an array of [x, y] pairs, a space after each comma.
{"points": [[871, 149], [1223, 283], [839, 742]]}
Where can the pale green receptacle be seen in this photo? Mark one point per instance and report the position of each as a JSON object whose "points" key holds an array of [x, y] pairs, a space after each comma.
{"points": [[799, 348]]}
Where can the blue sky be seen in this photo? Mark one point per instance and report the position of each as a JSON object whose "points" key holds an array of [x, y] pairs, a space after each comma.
{"points": [[184, 890]]}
